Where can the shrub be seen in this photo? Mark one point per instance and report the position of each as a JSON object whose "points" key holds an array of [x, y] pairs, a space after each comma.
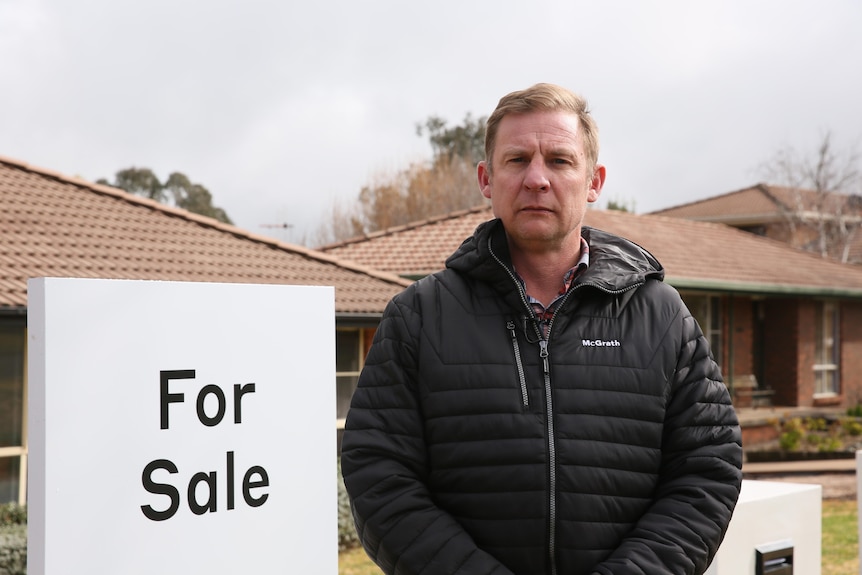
{"points": [[12, 514], [347, 537], [816, 424], [852, 427], [793, 431], [13, 549], [828, 444], [815, 440], [790, 440]]}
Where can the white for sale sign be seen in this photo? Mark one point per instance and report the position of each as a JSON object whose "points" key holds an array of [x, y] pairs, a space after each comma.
{"points": [[179, 427]]}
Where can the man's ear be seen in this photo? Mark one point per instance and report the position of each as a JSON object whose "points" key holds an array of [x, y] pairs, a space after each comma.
{"points": [[596, 183], [483, 173]]}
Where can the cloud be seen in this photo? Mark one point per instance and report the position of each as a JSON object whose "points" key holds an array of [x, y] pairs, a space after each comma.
{"points": [[282, 108]]}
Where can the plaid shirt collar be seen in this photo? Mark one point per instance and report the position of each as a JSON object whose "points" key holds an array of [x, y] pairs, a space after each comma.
{"points": [[543, 313]]}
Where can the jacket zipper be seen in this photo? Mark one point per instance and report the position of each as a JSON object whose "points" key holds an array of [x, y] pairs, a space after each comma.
{"points": [[522, 379], [549, 412], [552, 456]]}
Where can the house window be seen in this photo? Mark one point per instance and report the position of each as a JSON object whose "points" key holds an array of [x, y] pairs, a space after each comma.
{"points": [[348, 363], [826, 349], [13, 454], [706, 309]]}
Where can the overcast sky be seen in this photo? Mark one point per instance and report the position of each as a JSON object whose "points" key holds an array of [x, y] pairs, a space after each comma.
{"points": [[281, 108]]}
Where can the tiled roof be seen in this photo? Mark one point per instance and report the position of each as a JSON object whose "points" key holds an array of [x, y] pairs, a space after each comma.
{"points": [[694, 254], [758, 204], [416, 249], [52, 225], [765, 204]]}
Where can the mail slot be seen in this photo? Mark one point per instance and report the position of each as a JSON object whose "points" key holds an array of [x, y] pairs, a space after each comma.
{"points": [[774, 558]]}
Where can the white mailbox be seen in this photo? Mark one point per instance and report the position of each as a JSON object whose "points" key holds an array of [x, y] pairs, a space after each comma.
{"points": [[775, 530]]}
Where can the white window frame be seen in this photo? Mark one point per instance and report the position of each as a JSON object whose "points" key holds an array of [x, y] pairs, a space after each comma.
{"points": [[339, 421], [710, 323], [827, 342]]}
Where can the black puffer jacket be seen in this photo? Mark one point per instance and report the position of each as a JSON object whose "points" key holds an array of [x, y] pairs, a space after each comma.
{"points": [[474, 446]]}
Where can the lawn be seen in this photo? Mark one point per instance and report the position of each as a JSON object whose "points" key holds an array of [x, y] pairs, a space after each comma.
{"points": [[356, 562], [840, 548]]}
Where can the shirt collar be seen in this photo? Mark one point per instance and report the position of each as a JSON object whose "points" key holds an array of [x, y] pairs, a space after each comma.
{"points": [[582, 264]]}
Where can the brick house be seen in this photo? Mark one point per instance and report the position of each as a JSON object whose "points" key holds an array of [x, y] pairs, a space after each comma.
{"points": [[785, 325], [52, 225], [829, 224]]}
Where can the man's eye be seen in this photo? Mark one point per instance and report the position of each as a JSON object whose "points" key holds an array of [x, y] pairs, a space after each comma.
{"points": [[562, 161]]}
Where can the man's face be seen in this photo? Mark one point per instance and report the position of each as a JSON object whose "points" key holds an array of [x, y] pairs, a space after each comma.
{"points": [[538, 181]]}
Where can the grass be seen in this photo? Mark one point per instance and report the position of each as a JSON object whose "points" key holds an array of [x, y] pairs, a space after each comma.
{"points": [[840, 547], [356, 562]]}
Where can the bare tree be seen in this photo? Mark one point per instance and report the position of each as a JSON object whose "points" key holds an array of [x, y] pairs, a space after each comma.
{"points": [[824, 213], [444, 184]]}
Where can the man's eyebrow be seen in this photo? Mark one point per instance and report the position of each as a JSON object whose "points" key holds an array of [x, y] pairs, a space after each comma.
{"points": [[512, 150], [564, 152]]}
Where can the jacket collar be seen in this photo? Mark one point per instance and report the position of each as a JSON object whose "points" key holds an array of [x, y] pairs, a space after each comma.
{"points": [[616, 264]]}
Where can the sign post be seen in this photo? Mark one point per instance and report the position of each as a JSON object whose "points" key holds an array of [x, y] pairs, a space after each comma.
{"points": [[179, 427]]}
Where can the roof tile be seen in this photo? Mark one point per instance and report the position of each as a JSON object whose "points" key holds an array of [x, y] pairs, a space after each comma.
{"points": [[692, 252], [54, 225]]}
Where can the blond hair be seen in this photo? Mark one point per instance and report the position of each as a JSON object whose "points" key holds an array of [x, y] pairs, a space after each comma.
{"points": [[545, 98]]}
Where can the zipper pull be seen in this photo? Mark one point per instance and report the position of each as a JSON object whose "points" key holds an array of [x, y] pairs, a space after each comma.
{"points": [[543, 353]]}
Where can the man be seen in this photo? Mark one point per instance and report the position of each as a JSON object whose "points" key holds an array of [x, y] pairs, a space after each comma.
{"points": [[545, 405]]}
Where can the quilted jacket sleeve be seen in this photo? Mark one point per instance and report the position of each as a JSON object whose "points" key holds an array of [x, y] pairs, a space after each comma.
{"points": [[701, 472], [384, 464]]}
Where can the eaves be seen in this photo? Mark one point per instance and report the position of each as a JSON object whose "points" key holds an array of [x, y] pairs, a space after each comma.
{"points": [[764, 288]]}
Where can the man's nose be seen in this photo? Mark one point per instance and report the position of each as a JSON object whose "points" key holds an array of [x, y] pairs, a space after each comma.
{"points": [[536, 177]]}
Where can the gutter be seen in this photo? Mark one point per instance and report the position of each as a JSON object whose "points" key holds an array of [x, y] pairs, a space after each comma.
{"points": [[15, 311], [358, 319], [758, 288]]}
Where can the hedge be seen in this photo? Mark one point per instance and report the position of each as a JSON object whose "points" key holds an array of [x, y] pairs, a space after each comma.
{"points": [[13, 539]]}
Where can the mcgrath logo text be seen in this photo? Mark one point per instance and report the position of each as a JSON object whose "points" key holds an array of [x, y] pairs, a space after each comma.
{"points": [[600, 343]]}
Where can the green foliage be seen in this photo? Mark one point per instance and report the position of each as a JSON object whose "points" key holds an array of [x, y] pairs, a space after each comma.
{"points": [[13, 550], [852, 426], [791, 438], [138, 181], [347, 537], [12, 514], [466, 140], [855, 411], [622, 206], [817, 424], [830, 444], [13, 539], [178, 189], [818, 434]]}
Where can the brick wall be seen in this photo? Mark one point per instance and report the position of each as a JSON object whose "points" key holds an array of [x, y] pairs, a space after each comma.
{"points": [[758, 434], [851, 353]]}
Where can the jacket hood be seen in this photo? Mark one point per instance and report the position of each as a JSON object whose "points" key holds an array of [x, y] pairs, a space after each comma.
{"points": [[616, 263]]}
